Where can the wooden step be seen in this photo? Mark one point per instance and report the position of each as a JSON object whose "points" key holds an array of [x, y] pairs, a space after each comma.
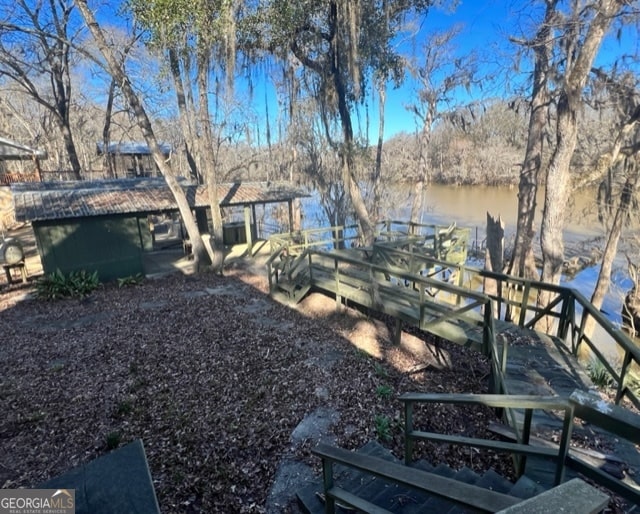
{"points": [[371, 493], [424, 482], [495, 482], [526, 488]]}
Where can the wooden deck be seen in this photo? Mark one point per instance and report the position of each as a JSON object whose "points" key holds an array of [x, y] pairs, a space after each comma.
{"points": [[447, 300], [525, 361]]}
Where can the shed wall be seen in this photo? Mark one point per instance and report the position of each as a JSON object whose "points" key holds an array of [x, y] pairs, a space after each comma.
{"points": [[112, 246]]}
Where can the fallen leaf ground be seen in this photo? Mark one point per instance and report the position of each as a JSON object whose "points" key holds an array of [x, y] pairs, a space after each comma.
{"points": [[213, 376]]}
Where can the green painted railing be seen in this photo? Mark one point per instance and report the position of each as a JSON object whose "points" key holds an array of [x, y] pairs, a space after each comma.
{"points": [[436, 238], [515, 300], [523, 448], [564, 318], [579, 406], [406, 296]]}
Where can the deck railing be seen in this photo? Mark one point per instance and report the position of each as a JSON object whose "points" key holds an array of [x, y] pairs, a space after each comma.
{"points": [[515, 300], [579, 406], [522, 447], [564, 318], [404, 295]]}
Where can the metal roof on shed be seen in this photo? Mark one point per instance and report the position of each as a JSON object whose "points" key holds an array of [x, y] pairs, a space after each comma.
{"points": [[39, 201], [131, 148]]}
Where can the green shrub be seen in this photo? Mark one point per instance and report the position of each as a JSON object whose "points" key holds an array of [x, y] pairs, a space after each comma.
{"points": [[383, 427], [599, 374], [132, 280], [380, 370], [384, 391], [124, 408], [113, 439], [58, 285]]}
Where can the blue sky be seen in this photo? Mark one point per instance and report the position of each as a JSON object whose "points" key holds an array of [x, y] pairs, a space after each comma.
{"points": [[485, 29], [485, 26]]}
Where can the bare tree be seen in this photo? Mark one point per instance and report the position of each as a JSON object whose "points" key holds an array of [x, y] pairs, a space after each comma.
{"points": [[198, 39], [201, 256], [522, 260], [439, 74], [36, 42], [339, 46], [583, 32], [617, 168]]}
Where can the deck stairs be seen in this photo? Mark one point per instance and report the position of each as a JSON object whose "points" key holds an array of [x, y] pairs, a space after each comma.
{"points": [[395, 498], [378, 493], [293, 279]]}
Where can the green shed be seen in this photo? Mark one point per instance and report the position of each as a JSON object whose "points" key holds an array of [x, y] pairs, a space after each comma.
{"points": [[112, 245], [103, 225]]}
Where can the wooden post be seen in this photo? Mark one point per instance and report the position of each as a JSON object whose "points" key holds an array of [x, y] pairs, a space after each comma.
{"points": [[494, 257], [247, 229], [290, 205]]}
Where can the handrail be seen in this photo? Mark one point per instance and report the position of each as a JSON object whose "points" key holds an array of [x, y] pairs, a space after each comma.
{"points": [[458, 492], [377, 278], [500, 401], [403, 274], [302, 239], [289, 264], [580, 405], [517, 302]]}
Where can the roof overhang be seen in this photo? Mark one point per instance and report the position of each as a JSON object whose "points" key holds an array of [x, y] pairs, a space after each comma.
{"points": [[42, 201], [131, 148], [12, 151]]}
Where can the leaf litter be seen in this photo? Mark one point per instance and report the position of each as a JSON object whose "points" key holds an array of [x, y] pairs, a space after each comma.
{"points": [[214, 377]]}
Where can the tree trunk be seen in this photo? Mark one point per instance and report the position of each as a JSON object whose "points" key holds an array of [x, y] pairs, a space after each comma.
{"points": [[209, 161], [611, 249], [494, 257], [107, 162], [417, 205], [70, 148], [185, 112], [200, 254], [377, 176], [557, 177], [522, 262], [367, 228]]}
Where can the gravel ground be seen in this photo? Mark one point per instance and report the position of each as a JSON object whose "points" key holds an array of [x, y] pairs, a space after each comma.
{"points": [[214, 376]]}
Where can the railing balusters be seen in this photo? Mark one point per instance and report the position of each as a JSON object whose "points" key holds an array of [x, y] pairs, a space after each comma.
{"points": [[569, 298], [567, 430], [327, 480], [626, 362], [408, 428], [526, 434]]}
